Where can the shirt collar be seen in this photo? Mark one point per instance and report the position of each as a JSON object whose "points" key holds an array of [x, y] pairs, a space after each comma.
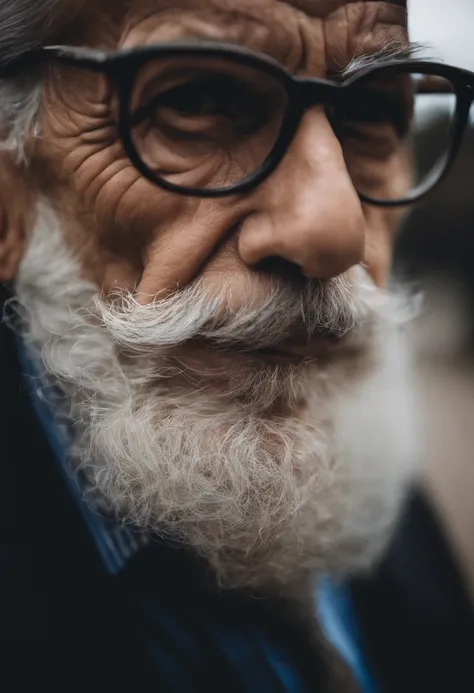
{"points": [[116, 543]]}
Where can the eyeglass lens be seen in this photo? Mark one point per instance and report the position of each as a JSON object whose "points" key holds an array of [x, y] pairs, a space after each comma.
{"points": [[387, 133], [208, 123], [205, 123]]}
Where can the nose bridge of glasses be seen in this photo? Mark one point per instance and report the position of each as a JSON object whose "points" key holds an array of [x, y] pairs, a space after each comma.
{"points": [[314, 92]]}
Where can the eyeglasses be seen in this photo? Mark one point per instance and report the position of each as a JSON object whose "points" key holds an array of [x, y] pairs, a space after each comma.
{"points": [[208, 119]]}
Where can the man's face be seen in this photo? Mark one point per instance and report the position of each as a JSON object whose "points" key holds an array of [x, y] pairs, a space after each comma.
{"points": [[217, 376], [132, 235]]}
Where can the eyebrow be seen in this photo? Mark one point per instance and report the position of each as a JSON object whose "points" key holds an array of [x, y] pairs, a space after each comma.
{"points": [[400, 3], [308, 5], [390, 52]]}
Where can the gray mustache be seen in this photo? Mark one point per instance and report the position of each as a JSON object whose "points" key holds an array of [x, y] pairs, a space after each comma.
{"points": [[314, 308]]}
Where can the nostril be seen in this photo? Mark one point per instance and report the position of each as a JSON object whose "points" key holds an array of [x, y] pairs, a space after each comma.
{"points": [[279, 267]]}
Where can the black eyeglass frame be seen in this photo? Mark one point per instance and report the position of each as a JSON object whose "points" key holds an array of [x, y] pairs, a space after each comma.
{"points": [[121, 68]]}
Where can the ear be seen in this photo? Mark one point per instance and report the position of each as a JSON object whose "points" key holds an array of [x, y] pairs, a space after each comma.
{"points": [[16, 216]]}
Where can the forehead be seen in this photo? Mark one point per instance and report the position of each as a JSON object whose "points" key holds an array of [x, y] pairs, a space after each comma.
{"points": [[315, 35], [314, 8], [318, 9]]}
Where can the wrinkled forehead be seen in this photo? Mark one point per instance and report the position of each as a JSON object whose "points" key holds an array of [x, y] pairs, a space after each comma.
{"points": [[274, 26], [319, 9], [314, 35], [316, 8], [311, 7]]}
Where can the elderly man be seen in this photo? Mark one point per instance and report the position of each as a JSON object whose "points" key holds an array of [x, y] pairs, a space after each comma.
{"points": [[198, 203]]}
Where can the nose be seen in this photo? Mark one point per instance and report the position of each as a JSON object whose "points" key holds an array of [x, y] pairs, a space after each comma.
{"points": [[307, 212]]}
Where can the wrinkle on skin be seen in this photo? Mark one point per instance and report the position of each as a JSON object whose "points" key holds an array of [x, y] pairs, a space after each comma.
{"points": [[353, 31], [160, 240]]}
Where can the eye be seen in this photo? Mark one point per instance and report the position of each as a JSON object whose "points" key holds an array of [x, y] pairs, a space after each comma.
{"points": [[205, 121], [205, 105], [370, 108], [207, 96], [385, 133]]}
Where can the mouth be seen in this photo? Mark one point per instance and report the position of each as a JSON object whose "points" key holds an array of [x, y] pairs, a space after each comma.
{"points": [[319, 348]]}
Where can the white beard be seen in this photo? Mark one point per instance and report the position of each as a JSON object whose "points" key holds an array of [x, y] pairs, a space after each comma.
{"points": [[267, 498]]}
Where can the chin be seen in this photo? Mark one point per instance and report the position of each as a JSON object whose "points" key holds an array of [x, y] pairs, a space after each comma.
{"points": [[273, 461], [268, 496]]}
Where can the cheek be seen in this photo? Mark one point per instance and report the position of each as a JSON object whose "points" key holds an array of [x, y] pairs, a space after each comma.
{"points": [[118, 223], [388, 179], [380, 176], [122, 227], [381, 227], [135, 221]]}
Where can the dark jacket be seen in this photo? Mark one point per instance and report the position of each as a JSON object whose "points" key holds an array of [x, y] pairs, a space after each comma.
{"points": [[161, 624], [415, 618]]}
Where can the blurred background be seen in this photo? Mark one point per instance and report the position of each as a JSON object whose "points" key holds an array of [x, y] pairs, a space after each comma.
{"points": [[446, 28], [435, 249], [438, 235]]}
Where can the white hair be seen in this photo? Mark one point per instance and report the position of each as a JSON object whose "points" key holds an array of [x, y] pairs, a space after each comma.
{"points": [[24, 25], [266, 495]]}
